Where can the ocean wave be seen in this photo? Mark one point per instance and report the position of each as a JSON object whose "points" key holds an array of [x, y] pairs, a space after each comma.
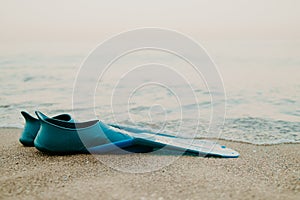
{"points": [[258, 131]]}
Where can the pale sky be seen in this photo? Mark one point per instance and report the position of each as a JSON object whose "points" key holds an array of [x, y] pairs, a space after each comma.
{"points": [[36, 21]]}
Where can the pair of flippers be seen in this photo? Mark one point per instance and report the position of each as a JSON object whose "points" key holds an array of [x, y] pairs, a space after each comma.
{"points": [[60, 134]]}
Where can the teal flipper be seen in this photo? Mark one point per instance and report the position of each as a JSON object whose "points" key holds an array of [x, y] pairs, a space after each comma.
{"points": [[57, 136]]}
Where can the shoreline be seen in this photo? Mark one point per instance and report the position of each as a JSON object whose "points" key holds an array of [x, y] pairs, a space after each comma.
{"points": [[261, 172], [198, 138]]}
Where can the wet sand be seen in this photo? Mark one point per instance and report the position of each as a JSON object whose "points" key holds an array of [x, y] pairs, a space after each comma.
{"points": [[261, 172]]}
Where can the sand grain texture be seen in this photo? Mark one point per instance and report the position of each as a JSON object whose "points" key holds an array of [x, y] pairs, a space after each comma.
{"points": [[261, 172]]}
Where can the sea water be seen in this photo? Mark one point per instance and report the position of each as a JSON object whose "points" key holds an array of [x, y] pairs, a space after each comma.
{"points": [[261, 81]]}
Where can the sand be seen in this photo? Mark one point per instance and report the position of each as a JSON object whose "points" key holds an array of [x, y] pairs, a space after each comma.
{"points": [[261, 172]]}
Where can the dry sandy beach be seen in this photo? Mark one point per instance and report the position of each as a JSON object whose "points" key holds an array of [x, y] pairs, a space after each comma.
{"points": [[261, 172]]}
